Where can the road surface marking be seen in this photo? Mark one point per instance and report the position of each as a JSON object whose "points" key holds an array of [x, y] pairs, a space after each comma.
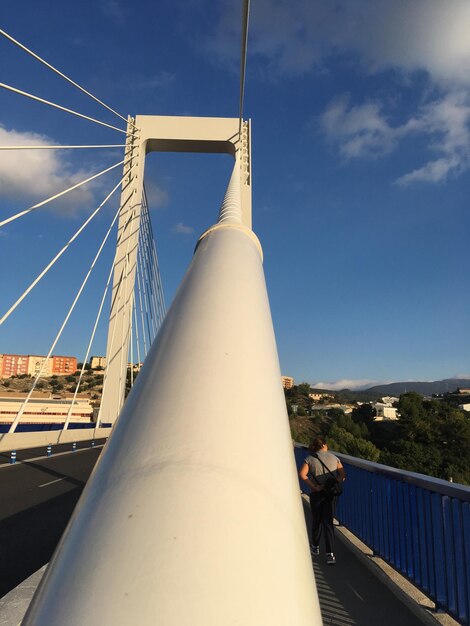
{"points": [[52, 482]]}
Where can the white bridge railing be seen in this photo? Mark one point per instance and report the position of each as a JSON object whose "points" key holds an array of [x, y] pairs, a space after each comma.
{"points": [[182, 521]]}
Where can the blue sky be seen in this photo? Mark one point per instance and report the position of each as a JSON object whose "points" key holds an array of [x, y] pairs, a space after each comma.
{"points": [[361, 155]]}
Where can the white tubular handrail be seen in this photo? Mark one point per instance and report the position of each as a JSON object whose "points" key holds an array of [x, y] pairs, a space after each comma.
{"points": [[183, 521]]}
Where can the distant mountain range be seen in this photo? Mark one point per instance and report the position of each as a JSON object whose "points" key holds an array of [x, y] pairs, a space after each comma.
{"points": [[424, 388]]}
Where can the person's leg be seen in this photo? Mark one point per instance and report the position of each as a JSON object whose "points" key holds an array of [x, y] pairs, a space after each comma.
{"points": [[315, 507], [327, 523]]}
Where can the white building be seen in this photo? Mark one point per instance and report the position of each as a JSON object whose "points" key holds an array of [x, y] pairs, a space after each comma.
{"points": [[389, 400], [317, 397], [35, 364], [385, 412], [44, 408], [97, 362]]}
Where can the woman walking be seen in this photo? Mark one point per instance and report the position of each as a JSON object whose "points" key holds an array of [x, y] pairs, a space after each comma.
{"points": [[317, 471]]}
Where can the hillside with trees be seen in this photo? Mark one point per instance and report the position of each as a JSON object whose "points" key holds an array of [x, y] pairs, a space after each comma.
{"points": [[431, 437], [91, 384]]}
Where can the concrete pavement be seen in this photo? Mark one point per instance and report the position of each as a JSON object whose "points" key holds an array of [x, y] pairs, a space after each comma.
{"points": [[351, 595]]}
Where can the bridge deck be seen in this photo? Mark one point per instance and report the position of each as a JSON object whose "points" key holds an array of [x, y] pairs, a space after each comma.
{"points": [[350, 594]]}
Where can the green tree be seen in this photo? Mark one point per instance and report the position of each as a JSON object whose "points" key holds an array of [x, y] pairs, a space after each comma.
{"points": [[346, 422], [414, 457], [432, 437], [303, 389], [364, 414], [340, 440]]}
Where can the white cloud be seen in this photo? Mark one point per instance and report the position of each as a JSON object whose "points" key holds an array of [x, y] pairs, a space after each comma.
{"points": [[446, 122], [115, 11], [360, 130], [182, 229], [279, 35], [430, 35], [38, 174], [347, 383], [432, 172], [157, 197], [364, 131], [409, 35], [160, 79]]}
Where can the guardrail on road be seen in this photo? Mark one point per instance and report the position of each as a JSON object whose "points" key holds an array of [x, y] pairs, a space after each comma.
{"points": [[19, 441]]}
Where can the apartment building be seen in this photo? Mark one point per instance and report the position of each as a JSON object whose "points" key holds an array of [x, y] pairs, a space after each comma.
{"points": [[287, 382], [97, 361], [14, 365], [18, 364], [38, 363], [63, 365]]}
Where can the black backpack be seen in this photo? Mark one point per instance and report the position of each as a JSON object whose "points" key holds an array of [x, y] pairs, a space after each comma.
{"points": [[332, 487]]}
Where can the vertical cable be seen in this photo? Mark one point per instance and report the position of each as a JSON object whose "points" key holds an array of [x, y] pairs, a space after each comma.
{"points": [[245, 20], [147, 281], [150, 242], [159, 285], [117, 300], [144, 300], [131, 350], [137, 340], [141, 312], [146, 245]]}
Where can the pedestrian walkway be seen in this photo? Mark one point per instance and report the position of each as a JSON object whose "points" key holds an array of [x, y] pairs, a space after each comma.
{"points": [[351, 595]]}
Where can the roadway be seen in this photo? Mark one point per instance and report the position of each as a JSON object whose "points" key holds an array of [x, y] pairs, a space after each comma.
{"points": [[37, 498]]}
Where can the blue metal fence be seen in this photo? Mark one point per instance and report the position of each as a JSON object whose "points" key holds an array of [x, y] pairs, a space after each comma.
{"points": [[418, 524]]}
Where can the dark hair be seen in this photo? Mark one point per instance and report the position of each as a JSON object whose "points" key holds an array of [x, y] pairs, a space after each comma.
{"points": [[317, 444]]}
